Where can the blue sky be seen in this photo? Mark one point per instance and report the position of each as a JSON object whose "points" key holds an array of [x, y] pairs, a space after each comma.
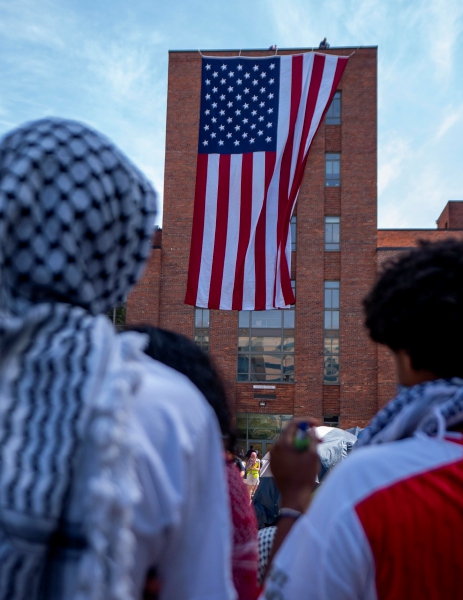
{"points": [[105, 62]]}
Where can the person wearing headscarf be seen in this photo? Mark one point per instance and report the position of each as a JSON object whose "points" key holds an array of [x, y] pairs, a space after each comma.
{"points": [[388, 521], [87, 420]]}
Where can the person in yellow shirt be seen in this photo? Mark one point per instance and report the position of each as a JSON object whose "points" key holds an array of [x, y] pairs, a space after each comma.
{"points": [[252, 473]]}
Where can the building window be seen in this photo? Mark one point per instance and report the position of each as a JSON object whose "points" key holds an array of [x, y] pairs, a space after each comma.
{"points": [[202, 328], [331, 334], [293, 233], [333, 115], [266, 345], [332, 233], [117, 315], [259, 430], [293, 287], [331, 420], [333, 169]]}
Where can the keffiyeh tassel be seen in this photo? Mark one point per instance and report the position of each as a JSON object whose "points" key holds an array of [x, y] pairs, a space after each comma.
{"points": [[115, 489]]}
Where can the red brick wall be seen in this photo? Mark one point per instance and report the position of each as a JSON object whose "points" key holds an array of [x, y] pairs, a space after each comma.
{"points": [[407, 238], [452, 215], [179, 184], [331, 400], [333, 138], [455, 215], [246, 402], [444, 218], [333, 201], [143, 302], [358, 236]]}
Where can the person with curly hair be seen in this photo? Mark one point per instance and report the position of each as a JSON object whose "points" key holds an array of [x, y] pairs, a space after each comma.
{"points": [[388, 522]]}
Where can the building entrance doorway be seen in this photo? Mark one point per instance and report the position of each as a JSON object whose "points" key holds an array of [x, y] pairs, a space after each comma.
{"points": [[262, 446], [259, 430]]}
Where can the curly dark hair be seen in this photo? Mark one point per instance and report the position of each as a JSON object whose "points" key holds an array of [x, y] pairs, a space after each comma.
{"points": [[417, 306], [186, 357]]}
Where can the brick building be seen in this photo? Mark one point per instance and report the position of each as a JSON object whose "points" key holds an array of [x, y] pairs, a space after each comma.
{"points": [[314, 358]]}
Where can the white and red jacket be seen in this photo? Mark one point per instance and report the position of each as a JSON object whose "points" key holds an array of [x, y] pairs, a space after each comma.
{"points": [[386, 524]]}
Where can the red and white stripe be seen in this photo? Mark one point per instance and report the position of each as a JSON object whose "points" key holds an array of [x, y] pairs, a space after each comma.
{"points": [[240, 257]]}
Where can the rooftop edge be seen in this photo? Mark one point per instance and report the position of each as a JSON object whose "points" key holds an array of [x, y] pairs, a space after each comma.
{"points": [[202, 51]]}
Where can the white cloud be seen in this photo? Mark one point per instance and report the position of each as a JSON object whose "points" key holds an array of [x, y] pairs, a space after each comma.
{"points": [[27, 21], [294, 21], [442, 24], [393, 156], [451, 118]]}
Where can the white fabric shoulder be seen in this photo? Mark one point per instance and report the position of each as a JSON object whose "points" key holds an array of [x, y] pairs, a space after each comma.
{"points": [[182, 522], [372, 467], [327, 555]]}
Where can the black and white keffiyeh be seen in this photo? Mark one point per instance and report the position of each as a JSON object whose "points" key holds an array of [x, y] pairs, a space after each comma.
{"points": [[431, 407], [75, 225]]}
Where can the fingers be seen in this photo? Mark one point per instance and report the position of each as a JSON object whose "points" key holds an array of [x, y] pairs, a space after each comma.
{"points": [[290, 430]]}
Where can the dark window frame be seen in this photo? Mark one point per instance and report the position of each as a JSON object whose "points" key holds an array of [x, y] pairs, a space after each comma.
{"points": [[250, 354], [331, 331], [293, 229], [332, 178], [332, 231], [331, 420], [201, 326], [334, 112]]}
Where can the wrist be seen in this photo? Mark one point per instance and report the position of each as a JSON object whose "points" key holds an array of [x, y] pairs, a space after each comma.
{"points": [[299, 501], [289, 513]]}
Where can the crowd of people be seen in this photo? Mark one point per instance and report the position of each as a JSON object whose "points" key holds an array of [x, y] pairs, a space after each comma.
{"points": [[118, 472]]}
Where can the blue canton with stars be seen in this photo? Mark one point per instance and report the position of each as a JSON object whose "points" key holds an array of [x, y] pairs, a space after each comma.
{"points": [[239, 105]]}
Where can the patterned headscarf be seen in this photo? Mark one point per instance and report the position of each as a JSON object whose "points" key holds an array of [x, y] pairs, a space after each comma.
{"points": [[75, 224], [430, 408], [75, 218]]}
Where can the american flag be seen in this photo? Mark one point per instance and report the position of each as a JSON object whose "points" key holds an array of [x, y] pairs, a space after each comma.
{"points": [[257, 122]]}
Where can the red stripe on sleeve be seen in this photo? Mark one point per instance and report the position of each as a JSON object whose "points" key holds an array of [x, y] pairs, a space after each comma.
{"points": [[220, 239], [197, 232], [414, 528]]}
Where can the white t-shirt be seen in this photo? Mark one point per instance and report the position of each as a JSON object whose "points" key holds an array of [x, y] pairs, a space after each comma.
{"points": [[387, 523], [182, 524]]}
